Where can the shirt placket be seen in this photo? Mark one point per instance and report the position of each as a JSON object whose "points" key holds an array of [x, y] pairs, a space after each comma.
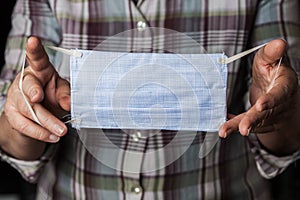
{"points": [[139, 17], [132, 163], [132, 166]]}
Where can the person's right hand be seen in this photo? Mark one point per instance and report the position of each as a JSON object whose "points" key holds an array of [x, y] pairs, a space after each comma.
{"points": [[49, 96]]}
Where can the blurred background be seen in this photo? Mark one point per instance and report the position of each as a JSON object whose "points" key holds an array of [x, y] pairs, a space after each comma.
{"points": [[13, 187]]}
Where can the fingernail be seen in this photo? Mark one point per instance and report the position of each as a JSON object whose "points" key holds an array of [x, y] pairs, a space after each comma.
{"points": [[33, 93], [223, 135], [249, 130], [53, 138], [58, 129]]}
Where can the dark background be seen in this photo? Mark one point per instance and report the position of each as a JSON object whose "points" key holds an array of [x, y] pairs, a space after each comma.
{"points": [[12, 186], [6, 7], [285, 186]]}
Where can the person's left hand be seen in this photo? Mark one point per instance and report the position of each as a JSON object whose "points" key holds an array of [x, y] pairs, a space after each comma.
{"points": [[275, 99]]}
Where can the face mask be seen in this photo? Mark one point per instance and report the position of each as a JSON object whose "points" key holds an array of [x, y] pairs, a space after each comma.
{"points": [[154, 91]]}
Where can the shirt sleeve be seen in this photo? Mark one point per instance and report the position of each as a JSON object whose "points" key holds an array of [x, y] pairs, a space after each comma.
{"points": [[267, 164], [276, 19], [28, 18], [30, 170]]}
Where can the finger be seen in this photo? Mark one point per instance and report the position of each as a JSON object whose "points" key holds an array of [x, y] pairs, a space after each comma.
{"points": [[46, 118], [38, 60], [230, 126], [272, 52], [56, 89], [278, 97], [49, 121], [255, 119], [283, 85], [266, 69], [270, 128], [57, 96], [251, 118], [267, 111], [63, 94], [50, 90], [32, 88], [272, 123], [265, 64], [31, 129]]}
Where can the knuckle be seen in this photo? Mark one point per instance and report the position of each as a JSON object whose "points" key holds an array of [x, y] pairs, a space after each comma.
{"points": [[8, 107], [226, 126], [26, 112], [38, 134], [22, 127], [46, 121]]}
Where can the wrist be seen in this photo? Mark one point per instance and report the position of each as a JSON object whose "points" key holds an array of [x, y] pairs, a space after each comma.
{"points": [[280, 144]]}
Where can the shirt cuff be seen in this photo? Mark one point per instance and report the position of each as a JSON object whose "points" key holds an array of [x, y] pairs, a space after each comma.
{"points": [[268, 164], [30, 170]]}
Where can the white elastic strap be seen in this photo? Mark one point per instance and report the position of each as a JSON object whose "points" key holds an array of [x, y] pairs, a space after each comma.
{"points": [[78, 54], [69, 52], [24, 97], [275, 76], [240, 55], [73, 121], [276, 73]]}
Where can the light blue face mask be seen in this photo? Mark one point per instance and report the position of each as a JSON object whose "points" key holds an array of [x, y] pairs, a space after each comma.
{"points": [[160, 91]]}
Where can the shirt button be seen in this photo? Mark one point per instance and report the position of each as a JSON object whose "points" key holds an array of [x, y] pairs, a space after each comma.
{"points": [[136, 136], [31, 178], [141, 25], [136, 189]]}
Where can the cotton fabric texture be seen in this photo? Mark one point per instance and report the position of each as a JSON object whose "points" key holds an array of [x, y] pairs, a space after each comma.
{"points": [[148, 91]]}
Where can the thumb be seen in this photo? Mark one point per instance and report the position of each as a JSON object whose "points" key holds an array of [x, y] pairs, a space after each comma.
{"points": [[265, 67], [39, 60], [273, 51], [270, 54]]}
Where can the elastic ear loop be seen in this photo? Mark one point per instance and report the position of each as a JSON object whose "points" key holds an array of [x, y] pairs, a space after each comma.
{"points": [[240, 55], [244, 53], [65, 51], [22, 92], [71, 121], [275, 76]]}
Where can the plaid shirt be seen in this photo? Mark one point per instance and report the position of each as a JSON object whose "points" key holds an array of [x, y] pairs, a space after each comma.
{"points": [[236, 167]]}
